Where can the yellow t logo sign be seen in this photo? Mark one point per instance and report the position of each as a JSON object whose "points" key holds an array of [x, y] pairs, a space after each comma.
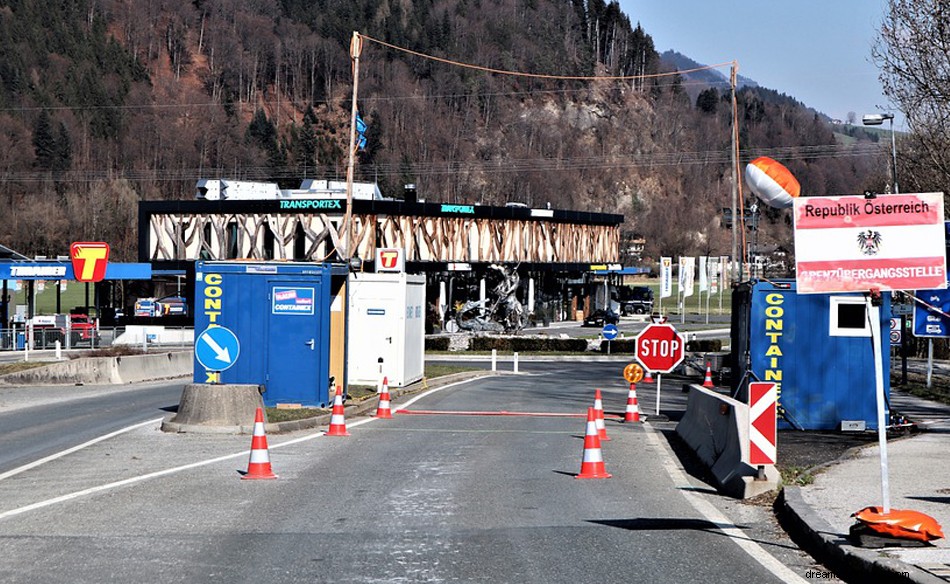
{"points": [[90, 260]]}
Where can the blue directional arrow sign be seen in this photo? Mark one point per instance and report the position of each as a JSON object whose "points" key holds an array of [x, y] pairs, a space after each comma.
{"points": [[217, 348], [610, 332]]}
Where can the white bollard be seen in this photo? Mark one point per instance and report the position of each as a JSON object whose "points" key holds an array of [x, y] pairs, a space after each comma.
{"points": [[494, 359], [516, 362], [59, 351]]}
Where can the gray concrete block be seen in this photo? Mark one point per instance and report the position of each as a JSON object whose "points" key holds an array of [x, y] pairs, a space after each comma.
{"points": [[227, 404]]}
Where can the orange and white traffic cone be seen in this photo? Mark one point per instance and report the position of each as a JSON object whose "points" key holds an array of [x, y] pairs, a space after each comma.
{"points": [[337, 422], [633, 409], [599, 410], [592, 465], [707, 382], [647, 377], [383, 409], [258, 467]]}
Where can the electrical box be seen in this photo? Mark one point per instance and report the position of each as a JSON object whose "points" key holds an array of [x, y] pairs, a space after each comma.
{"points": [[386, 328], [269, 324]]}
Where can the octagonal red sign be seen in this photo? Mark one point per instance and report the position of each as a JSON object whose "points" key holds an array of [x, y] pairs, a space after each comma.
{"points": [[659, 348]]}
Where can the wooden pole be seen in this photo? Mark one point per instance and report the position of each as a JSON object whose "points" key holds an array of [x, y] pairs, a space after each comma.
{"points": [[356, 47]]}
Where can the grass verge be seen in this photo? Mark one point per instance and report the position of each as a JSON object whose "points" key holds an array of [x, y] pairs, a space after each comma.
{"points": [[795, 476]]}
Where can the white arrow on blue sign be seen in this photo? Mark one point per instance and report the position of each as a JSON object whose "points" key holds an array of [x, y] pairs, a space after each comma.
{"points": [[610, 332], [217, 348]]}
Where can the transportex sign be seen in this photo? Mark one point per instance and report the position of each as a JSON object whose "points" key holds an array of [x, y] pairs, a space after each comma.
{"points": [[854, 243]]}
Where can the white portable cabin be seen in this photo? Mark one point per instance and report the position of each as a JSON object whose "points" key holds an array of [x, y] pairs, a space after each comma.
{"points": [[220, 190], [336, 189], [237, 190], [386, 321]]}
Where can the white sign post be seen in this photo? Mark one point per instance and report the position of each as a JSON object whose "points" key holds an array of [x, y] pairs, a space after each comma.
{"points": [[871, 244]]}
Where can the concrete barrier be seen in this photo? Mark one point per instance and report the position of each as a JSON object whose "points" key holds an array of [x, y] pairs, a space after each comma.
{"points": [[136, 368], [716, 427], [106, 370]]}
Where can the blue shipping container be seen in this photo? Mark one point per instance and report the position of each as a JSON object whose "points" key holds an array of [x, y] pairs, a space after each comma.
{"points": [[817, 347], [266, 324]]}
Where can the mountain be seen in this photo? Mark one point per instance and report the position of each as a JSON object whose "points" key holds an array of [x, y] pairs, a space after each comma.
{"points": [[104, 103], [715, 77]]}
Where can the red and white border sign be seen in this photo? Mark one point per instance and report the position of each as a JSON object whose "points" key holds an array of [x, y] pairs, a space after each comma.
{"points": [[853, 243], [763, 434]]}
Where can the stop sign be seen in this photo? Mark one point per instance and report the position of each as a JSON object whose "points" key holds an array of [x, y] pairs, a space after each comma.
{"points": [[659, 348]]}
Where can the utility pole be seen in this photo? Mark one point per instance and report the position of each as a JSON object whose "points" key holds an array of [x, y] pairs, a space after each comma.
{"points": [[356, 47], [735, 164]]}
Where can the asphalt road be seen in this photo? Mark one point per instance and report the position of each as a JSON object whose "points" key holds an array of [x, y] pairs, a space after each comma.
{"points": [[427, 497], [36, 422]]}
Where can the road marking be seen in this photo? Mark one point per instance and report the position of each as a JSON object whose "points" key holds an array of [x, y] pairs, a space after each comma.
{"points": [[168, 471], [77, 448], [489, 413], [713, 515]]}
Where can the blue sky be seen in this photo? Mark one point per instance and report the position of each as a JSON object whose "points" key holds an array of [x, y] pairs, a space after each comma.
{"points": [[817, 51]]}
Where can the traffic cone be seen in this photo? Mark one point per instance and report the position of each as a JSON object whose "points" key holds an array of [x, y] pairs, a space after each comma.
{"points": [[592, 465], [633, 410], [599, 411], [258, 467], [707, 382], [337, 423], [647, 377], [383, 410]]}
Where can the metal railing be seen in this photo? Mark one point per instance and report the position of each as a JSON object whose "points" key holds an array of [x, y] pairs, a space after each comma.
{"points": [[144, 337]]}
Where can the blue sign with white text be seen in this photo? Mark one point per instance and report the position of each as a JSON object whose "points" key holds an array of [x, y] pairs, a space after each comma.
{"points": [[292, 300], [930, 323]]}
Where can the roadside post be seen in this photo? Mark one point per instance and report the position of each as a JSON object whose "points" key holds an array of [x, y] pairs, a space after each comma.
{"points": [[659, 348], [610, 333]]}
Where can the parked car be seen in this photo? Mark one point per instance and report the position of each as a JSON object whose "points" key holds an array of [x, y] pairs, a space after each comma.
{"points": [[635, 300], [600, 317]]}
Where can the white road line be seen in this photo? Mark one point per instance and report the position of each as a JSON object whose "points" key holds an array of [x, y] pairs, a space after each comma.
{"points": [[168, 471], [63, 453], [713, 515]]}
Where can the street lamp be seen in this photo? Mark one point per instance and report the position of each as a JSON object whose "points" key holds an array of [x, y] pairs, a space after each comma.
{"points": [[877, 120]]}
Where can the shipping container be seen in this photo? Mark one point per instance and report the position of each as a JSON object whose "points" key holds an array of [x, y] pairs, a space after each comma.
{"points": [[816, 347], [273, 324]]}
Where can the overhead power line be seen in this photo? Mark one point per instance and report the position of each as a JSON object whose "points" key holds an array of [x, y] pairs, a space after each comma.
{"points": [[444, 167]]}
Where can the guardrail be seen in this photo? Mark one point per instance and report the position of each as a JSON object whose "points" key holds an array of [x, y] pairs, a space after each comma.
{"points": [[143, 336]]}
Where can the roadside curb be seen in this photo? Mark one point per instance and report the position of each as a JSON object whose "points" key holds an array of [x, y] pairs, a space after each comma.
{"points": [[833, 549], [357, 409]]}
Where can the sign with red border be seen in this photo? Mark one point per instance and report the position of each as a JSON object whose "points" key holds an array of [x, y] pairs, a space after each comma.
{"points": [[90, 260], [855, 244], [390, 259], [763, 435]]}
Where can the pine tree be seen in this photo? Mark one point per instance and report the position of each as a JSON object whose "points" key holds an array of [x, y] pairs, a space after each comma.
{"points": [[44, 143]]}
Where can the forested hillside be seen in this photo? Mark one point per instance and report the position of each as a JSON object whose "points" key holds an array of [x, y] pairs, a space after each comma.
{"points": [[107, 102]]}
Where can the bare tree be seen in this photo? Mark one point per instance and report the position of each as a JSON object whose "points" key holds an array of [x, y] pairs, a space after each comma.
{"points": [[913, 52]]}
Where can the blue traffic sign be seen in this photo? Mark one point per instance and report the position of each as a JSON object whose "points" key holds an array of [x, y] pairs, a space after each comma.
{"points": [[610, 332], [217, 348], [930, 323]]}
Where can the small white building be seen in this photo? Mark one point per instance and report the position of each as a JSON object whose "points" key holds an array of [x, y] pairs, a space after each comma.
{"points": [[386, 329]]}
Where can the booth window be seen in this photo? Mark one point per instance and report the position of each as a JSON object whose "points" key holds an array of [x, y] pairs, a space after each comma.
{"points": [[848, 317]]}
